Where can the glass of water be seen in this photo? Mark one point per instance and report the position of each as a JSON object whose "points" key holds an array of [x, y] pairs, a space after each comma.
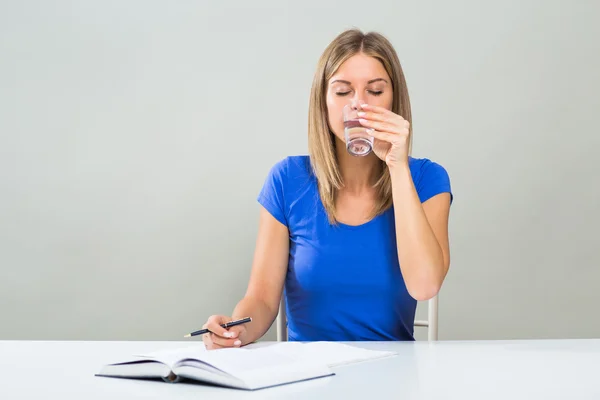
{"points": [[358, 140]]}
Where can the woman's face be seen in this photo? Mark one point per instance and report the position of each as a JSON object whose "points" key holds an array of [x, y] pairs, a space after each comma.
{"points": [[359, 79]]}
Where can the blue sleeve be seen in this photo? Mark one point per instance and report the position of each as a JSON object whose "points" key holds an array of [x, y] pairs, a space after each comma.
{"points": [[434, 180], [271, 195]]}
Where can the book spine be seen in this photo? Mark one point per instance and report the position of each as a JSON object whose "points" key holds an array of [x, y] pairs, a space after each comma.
{"points": [[172, 378]]}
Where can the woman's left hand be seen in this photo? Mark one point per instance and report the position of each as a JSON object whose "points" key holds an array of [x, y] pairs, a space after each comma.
{"points": [[390, 131]]}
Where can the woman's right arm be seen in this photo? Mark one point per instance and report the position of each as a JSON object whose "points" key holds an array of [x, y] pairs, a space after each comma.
{"points": [[265, 287]]}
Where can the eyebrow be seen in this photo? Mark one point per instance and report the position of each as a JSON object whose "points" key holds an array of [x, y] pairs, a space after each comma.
{"points": [[349, 83]]}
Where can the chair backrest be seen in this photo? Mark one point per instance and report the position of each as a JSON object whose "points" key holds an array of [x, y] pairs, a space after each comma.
{"points": [[431, 323], [281, 322]]}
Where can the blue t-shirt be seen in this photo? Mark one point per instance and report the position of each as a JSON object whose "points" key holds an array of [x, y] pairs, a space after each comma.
{"points": [[343, 282]]}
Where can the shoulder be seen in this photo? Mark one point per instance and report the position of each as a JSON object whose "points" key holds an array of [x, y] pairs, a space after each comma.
{"points": [[424, 168], [290, 168], [286, 181], [430, 178]]}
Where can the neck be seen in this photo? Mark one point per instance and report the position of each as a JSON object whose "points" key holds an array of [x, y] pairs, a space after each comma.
{"points": [[359, 173]]}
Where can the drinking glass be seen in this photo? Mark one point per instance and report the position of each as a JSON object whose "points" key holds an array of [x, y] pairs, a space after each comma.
{"points": [[358, 140]]}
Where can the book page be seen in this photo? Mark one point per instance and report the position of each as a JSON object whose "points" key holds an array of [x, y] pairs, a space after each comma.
{"points": [[233, 361], [236, 361], [269, 356], [247, 368], [252, 368], [172, 356], [328, 353]]}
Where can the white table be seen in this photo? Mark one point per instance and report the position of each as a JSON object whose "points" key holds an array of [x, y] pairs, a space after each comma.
{"points": [[541, 369]]}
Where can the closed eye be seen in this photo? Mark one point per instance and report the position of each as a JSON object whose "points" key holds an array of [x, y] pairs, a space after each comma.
{"points": [[373, 92]]}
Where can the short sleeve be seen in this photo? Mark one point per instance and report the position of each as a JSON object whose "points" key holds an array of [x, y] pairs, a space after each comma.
{"points": [[271, 195], [433, 181]]}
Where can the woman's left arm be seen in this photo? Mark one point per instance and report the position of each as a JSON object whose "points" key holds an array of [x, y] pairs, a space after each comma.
{"points": [[421, 235], [421, 228]]}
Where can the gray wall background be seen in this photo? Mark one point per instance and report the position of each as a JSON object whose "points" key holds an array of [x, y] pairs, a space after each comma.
{"points": [[135, 136]]}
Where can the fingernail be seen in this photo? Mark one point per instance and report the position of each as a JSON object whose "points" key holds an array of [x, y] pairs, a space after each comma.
{"points": [[228, 334], [361, 113], [237, 342]]}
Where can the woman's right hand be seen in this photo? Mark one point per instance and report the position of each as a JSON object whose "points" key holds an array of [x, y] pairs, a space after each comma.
{"points": [[219, 337]]}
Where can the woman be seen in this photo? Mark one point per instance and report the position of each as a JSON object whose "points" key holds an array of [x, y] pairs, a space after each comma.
{"points": [[356, 240]]}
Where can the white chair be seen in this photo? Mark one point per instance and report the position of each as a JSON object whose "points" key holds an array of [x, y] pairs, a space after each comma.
{"points": [[431, 323], [281, 322]]}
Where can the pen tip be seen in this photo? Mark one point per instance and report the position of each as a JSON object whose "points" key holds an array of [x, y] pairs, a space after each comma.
{"points": [[188, 335]]}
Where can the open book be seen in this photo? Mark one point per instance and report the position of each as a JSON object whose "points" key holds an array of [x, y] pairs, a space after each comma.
{"points": [[255, 366]]}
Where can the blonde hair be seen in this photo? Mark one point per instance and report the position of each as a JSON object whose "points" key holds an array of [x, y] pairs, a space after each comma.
{"points": [[321, 141]]}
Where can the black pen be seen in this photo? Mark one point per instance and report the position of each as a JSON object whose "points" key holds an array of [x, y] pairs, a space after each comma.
{"points": [[225, 325]]}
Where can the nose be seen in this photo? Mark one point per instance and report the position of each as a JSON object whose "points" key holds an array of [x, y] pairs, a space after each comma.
{"points": [[356, 102]]}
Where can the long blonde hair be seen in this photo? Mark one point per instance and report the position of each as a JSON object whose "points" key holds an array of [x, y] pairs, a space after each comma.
{"points": [[321, 141]]}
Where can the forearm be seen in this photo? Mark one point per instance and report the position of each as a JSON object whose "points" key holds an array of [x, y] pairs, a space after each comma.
{"points": [[262, 318], [419, 253]]}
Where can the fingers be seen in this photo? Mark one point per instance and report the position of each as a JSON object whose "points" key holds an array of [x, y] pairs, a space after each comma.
{"points": [[231, 338], [385, 124], [236, 331], [214, 325], [224, 342], [386, 137], [401, 129], [377, 110], [219, 337], [206, 338], [212, 341], [210, 345], [380, 126], [373, 116], [209, 341], [392, 138]]}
